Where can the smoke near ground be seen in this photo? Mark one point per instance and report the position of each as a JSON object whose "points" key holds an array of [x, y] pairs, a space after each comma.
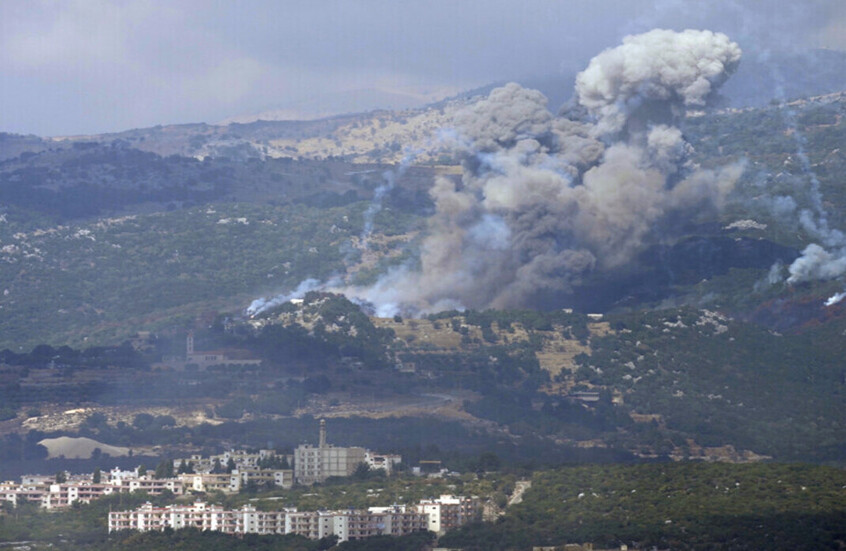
{"points": [[826, 258], [544, 201], [261, 304]]}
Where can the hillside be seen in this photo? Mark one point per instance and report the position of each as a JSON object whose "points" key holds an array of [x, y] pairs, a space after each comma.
{"points": [[529, 386], [54, 195], [700, 346], [378, 136], [671, 506], [388, 136]]}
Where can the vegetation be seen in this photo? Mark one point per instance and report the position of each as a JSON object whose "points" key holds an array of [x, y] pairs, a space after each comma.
{"points": [[101, 241], [676, 506], [669, 505]]}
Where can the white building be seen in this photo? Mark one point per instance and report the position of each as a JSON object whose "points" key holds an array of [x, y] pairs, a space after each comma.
{"points": [[347, 525], [50, 494], [207, 358], [448, 512], [283, 478], [383, 461]]}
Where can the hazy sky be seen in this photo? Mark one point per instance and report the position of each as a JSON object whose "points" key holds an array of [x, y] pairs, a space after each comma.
{"points": [[85, 66]]}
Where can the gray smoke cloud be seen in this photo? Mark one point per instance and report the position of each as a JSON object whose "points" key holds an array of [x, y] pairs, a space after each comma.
{"points": [[544, 201]]}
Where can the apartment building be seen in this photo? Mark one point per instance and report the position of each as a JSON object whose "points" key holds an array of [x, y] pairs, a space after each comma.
{"points": [[207, 482], [52, 495], [383, 461], [239, 478], [20, 493], [347, 525], [310, 524], [448, 512]]}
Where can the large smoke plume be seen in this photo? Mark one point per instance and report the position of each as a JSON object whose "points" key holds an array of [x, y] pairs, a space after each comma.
{"points": [[546, 200], [543, 201]]}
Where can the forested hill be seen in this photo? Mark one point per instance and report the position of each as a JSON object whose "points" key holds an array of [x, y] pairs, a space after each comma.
{"points": [[685, 506], [702, 345]]}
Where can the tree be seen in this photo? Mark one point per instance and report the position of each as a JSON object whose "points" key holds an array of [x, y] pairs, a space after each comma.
{"points": [[362, 472], [61, 477], [327, 542], [217, 468], [142, 470], [488, 461], [230, 465], [143, 421], [164, 469], [96, 478]]}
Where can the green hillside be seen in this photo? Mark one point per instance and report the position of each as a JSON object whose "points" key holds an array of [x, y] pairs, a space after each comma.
{"points": [[675, 506], [102, 281]]}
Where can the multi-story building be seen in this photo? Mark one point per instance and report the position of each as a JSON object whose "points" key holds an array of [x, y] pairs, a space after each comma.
{"points": [[20, 493], [52, 495], [356, 525], [317, 464], [155, 486], [149, 518], [398, 520], [68, 493], [347, 525], [284, 478], [207, 358], [384, 461], [208, 482], [237, 459], [310, 524], [448, 512]]}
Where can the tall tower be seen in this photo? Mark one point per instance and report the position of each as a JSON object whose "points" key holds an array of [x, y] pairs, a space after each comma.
{"points": [[322, 433], [189, 344]]}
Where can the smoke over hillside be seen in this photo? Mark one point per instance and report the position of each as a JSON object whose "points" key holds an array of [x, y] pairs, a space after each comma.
{"points": [[544, 201]]}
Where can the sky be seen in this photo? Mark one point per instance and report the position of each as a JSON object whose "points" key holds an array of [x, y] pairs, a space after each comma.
{"points": [[91, 66]]}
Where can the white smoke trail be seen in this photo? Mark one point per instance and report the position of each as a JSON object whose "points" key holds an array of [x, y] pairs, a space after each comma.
{"points": [[389, 178], [832, 300], [816, 262], [263, 304]]}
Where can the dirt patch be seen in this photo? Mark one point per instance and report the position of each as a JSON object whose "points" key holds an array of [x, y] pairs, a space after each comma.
{"points": [[443, 405], [423, 333], [79, 448], [55, 418]]}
